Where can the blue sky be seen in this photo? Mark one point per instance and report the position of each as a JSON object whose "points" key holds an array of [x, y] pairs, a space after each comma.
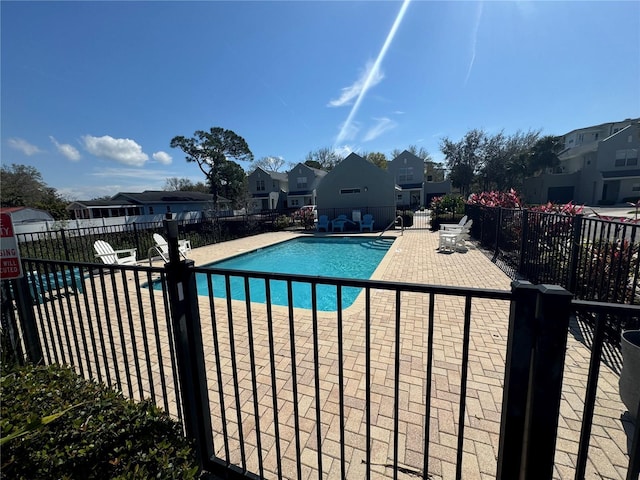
{"points": [[93, 92]]}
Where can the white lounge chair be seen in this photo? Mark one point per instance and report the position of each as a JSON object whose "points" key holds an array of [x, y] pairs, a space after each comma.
{"points": [[449, 226], [162, 247], [454, 239], [367, 222], [109, 256]]}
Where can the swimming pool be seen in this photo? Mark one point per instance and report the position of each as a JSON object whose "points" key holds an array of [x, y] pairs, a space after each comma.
{"points": [[343, 257]]}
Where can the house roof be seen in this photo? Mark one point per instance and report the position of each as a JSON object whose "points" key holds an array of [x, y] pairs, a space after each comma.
{"points": [[26, 214], [407, 186], [158, 196], [579, 150], [274, 175], [610, 174], [617, 133]]}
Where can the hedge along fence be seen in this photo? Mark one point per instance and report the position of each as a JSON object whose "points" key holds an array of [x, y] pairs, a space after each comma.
{"points": [[91, 432]]}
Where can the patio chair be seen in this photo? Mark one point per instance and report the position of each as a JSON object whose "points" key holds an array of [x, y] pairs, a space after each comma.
{"points": [[452, 240], [323, 223], [339, 222], [162, 247], [449, 226], [109, 256], [367, 222]]}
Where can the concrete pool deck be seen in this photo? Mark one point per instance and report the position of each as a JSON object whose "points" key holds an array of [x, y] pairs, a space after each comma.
{"points": [[414, 258]]}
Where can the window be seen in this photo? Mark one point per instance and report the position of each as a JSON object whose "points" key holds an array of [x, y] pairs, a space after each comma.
{"points": [[294, 202], [429, 178], [346, 191], [399, 197], [635, 187], [150, 210], [628, 157], [301, 183], [260, 185], [405, 174], [595, 136]]}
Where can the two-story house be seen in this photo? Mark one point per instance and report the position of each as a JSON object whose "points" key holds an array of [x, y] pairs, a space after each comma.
{"points": [[408, 172], [268, 190], [599, 165], [303, 182]]}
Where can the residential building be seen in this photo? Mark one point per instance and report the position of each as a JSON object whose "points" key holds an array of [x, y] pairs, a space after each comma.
{"points": [[303, 182], [408, 173], [356, 187], [599, 165], [268, 190], [149, 202]]}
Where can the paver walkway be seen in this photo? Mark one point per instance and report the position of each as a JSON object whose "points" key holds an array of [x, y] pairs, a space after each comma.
{"points": [[414, 258]]}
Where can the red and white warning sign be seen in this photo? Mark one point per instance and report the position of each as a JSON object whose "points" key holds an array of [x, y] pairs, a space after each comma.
{"points": [[10, 265]]}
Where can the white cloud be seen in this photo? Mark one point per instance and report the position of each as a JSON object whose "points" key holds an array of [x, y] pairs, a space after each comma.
{"points": [[368, 78], [24, 146], [162, 157], [122, 150], [67, 150], [383, 125]]}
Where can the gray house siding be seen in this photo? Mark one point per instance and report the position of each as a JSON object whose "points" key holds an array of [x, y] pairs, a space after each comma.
{"points": [[267, 189], [303, 182], [356, 184], [599, 168], [408, 173]]}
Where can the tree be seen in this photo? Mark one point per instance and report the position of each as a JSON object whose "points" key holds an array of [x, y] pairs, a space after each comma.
{"points": [[313, 164], [463, 158], [235, 183], [213, 151], [326, 157], [544, 154], [269, 163], [377, 158], [23, 186], [175, 184]]}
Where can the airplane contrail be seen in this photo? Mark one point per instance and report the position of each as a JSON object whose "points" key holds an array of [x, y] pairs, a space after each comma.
{"points": [[373, 71], [475, 41]]}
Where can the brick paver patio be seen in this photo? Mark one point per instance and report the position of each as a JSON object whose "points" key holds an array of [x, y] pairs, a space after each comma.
{"points": [[413, 258]]}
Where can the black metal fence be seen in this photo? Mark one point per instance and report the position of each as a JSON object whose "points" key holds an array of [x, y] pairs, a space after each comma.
{"points": [[276, 391], [594, 259], [77, 244]]}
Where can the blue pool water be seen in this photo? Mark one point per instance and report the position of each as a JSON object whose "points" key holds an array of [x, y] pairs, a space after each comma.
{"points": [[343, 257]]}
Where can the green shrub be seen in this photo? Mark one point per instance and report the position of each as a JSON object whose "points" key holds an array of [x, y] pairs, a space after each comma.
{"points": [[282, 222], [103, 436]]}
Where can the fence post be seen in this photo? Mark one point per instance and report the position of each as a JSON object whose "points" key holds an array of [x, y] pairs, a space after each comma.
{"points": [[136, 238], [524, 240], [64, 245], [498, 227], [187, 332], [28, 321], [538, 329], [576, 245], [547, 366], [516, 379]]}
